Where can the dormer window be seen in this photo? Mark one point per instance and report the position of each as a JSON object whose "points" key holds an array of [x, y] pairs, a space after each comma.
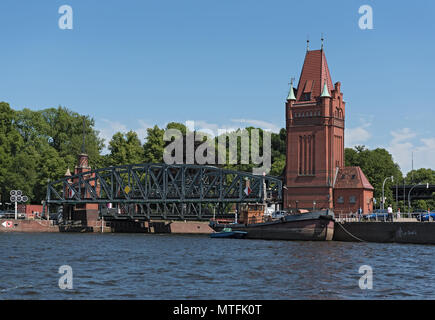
{"points": [[306, 96]]}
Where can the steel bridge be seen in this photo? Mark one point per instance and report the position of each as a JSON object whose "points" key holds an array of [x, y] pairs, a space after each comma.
{"points": [[419, 191], [161, 191]]}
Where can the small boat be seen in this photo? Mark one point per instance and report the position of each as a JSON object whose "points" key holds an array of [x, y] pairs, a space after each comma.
{"points": [[229, 233]]}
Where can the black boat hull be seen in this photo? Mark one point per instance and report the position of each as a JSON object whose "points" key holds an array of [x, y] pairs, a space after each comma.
{"points": [[313, 226]]}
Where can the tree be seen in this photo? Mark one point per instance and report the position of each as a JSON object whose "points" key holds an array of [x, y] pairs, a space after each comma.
{"points": [[125, 149], [422, 176], [36, 146], [377, 165], [154, 145], [11, 143]]}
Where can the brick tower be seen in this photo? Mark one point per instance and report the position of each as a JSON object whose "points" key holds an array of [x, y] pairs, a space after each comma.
{"points": [[87, 213], [315, 136], [315, 175]]}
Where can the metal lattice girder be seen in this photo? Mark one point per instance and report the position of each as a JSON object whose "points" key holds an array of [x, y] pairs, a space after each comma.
{"points": [[161, 183]]}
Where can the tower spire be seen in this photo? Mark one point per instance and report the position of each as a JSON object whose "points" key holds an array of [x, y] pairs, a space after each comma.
{"points": [[83, 143], [321, 39]]}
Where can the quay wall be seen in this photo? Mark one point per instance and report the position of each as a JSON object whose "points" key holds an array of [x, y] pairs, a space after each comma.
{"points": [[400, 232], [188, 227], [176, 227], [22, 225]]}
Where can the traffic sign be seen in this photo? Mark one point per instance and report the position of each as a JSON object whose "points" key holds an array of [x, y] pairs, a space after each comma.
{"points": [[7, 224]]}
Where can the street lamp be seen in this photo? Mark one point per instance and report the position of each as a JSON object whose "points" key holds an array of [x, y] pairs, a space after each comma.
{"points": [[383, 185], [409, 194]]}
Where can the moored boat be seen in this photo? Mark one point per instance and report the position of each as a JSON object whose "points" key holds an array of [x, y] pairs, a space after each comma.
{"points": [[311, 226], [229, 233]]}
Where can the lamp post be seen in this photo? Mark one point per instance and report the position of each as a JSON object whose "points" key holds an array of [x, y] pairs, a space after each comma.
{"points": [[409, 194], [383, 186]]}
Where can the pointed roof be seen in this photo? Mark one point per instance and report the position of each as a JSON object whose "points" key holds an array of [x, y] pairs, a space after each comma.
{"points": [[314, 75], [291, 94], [352, 178], [325, 92], [67, 173]]}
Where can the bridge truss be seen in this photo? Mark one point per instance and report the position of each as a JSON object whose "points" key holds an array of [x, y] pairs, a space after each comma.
{"points": [[164, 191]]}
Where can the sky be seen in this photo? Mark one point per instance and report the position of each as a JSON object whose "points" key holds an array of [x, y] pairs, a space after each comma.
{"points": [[224, 64]]}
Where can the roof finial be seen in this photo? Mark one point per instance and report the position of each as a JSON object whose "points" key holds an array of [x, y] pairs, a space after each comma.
{"points": [[322, 40], [83, 144], [308, 43]]}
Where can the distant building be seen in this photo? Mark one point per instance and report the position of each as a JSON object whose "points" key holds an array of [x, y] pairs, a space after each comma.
{"points": [[315, 176], [86, 213]]}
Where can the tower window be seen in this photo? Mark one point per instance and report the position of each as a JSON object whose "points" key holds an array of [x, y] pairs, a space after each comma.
{"points": [[306, 96], [352, 199], [340, 199]]}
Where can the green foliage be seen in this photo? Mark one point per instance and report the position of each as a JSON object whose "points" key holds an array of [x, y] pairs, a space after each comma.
{"points": [[125, 149], [154, 145], [36, 146], [420, 176], [377, 165]]}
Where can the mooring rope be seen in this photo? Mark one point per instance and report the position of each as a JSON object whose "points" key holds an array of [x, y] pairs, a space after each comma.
{"points": [[339, 223]]}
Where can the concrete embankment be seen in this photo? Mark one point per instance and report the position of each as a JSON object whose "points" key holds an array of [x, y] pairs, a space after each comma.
{"points": [[123, 226], [189, 227], [21, 225], [400, 232]]}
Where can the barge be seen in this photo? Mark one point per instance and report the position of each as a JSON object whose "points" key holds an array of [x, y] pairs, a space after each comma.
{"points": [[311, 226]]}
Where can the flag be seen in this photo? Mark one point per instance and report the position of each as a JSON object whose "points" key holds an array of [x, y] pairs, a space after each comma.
{"points": [[247, 190]]}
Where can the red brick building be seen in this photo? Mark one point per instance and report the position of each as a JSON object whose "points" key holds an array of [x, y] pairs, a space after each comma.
{"points": [[88, 212], [315, 117]]}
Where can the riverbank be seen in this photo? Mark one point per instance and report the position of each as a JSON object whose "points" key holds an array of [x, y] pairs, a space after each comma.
{"points": [[158, 226]]}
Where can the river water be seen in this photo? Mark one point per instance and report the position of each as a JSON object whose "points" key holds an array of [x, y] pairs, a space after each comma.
{"points": [[148, 266]]}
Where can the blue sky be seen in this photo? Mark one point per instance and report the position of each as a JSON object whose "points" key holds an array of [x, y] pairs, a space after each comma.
{"points": [[224, 64]]}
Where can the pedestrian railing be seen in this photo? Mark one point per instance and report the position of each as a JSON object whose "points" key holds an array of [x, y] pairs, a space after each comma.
{"points": [[370, 217]]}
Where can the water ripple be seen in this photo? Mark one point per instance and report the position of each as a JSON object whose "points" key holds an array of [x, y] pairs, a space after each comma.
{"points": [[138, 266]]}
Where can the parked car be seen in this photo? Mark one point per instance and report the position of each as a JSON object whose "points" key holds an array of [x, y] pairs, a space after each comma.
{"points": [[378, 214], [7, 214], [426, 216], [418, 213]]}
